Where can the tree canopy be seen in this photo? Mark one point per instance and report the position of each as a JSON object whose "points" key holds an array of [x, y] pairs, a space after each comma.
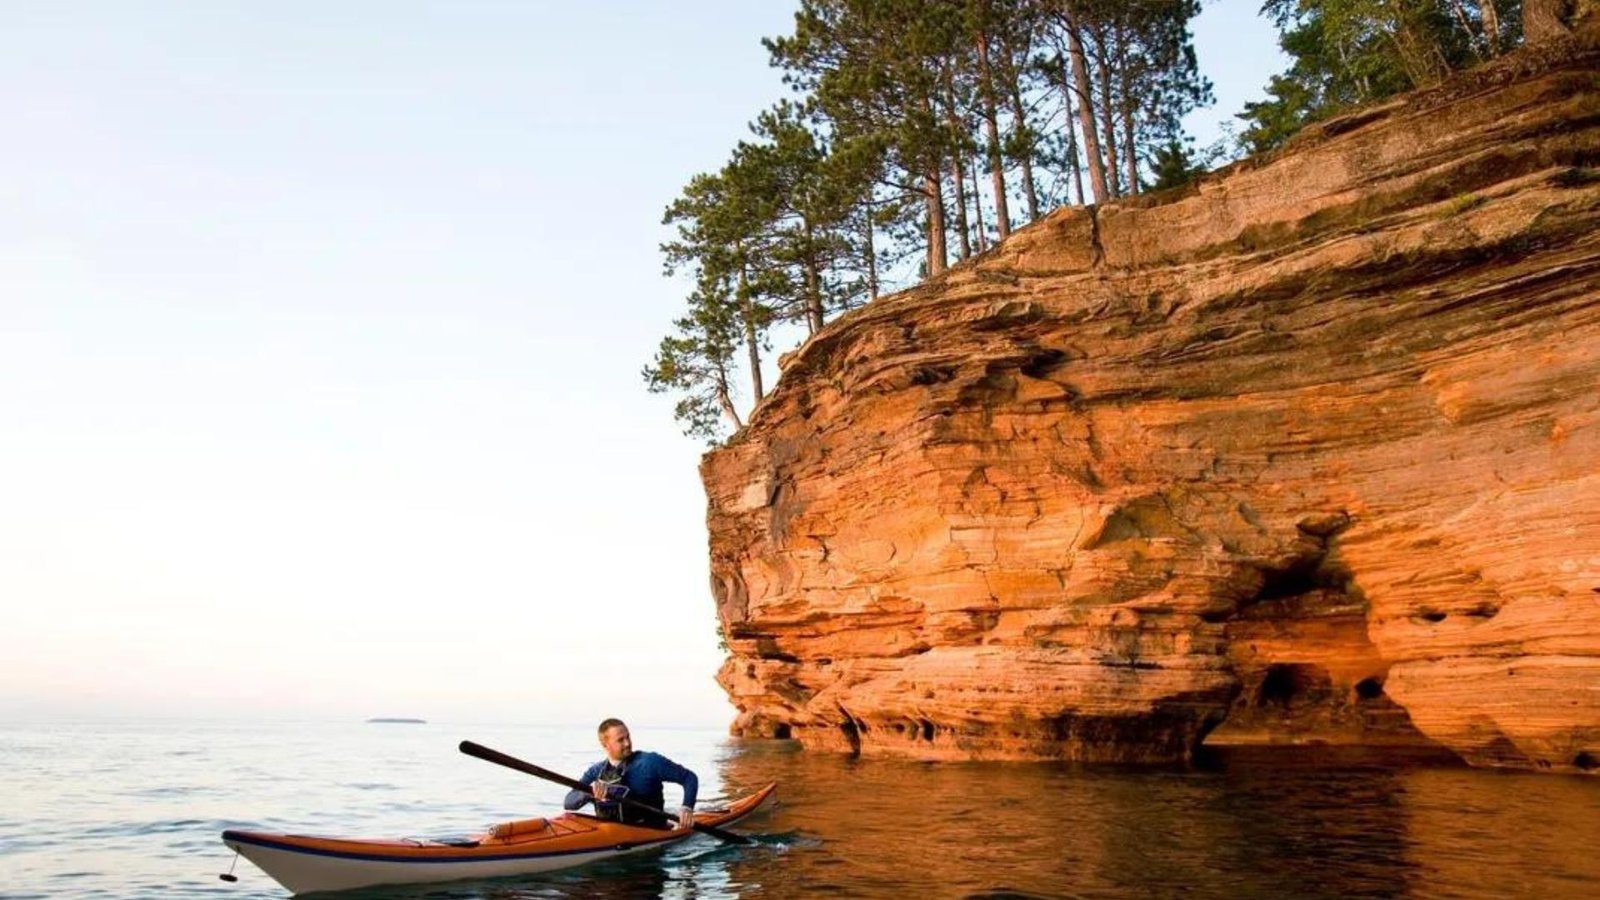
{"points": [[1344, 53], [921, 132]]}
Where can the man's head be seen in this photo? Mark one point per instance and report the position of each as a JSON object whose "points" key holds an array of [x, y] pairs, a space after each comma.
{"points": [[615, 739]]}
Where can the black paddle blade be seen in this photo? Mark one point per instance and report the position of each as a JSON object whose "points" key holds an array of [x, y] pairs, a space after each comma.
{"points": [[511, 762]]}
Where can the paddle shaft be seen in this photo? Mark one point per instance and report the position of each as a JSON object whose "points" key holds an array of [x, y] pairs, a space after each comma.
{"points": [[511, 762]]}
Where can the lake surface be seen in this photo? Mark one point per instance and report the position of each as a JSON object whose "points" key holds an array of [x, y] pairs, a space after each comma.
{"points": [[123, 809]]}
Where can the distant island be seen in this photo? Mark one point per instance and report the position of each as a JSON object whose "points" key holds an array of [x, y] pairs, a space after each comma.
{"points": [[392, 721]]}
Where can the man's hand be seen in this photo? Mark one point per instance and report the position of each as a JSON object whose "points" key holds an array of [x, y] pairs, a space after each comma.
{"points": [[686, 817], [598, 788]]}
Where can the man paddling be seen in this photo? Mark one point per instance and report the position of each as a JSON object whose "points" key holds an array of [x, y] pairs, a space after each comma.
{"points": [[637, 776]]}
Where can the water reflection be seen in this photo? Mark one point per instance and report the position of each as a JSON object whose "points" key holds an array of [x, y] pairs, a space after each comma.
{"points": [[1268, 824], [1504, 834], [1262, 824], [1247, 826]]}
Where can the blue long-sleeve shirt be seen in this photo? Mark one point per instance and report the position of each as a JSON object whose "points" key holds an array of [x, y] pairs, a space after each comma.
{"points": [[643, 774]]}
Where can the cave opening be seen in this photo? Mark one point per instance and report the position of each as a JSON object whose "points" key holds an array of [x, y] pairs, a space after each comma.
{"points": [[1288, 685], [1302, 577]]}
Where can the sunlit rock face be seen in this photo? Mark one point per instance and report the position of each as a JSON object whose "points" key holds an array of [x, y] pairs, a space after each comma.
{"points": [[1308, 453]]}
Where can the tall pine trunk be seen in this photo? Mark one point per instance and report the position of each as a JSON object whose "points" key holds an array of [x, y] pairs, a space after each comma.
{"points": [[752, 344], [1130, 152], [1107, 111], [1070, 118], [1130, 155], [1363, 83], [1491, 25], [1072, 159], [1027, 155], [957, 175], [813, 284], [1091, 143], [752, 337], [871, 253], [725, 399], [1460, 13], [1002, 215], [1420, 56], [933, 194], [1019, 117], [980, 239]]}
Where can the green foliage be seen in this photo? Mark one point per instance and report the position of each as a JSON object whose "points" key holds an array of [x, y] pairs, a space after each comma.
{"points": [[718, 221], [1157, 66], [851, 183], [1173, 166], [1292, 103], [697, 362], [1344, 53], [811, 193]]}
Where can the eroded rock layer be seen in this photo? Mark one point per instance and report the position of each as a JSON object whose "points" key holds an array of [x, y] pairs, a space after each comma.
{"points": [[1311, 452]]}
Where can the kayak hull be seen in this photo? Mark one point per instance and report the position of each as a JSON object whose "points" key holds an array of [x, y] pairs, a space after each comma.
{"points": [[305, 864], [304, 873]]}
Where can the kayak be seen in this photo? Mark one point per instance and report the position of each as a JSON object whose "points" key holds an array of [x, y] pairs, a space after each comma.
{"points": [[305, 864]]}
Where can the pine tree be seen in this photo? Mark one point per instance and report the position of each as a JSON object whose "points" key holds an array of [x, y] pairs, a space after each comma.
{"points": [[719, 222], [1172, 166], [983, 21], [875, 70], [810, 193], [696, 362]]}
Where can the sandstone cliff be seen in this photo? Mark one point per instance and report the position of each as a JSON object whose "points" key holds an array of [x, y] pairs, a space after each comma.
{"points": [[1308, 452]]}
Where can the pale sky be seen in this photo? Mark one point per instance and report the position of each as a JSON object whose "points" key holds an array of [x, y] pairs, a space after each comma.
{"points": [[320, 335]]}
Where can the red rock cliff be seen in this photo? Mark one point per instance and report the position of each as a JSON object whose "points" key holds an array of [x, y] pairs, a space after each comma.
{"points": [[1310, 452]]}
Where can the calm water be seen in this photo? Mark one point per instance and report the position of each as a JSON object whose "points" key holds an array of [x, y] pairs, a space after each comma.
{"points": [[134, 810]]}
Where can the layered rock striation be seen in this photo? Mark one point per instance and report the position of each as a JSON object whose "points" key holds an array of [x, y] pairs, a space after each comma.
{"points": [[1309, 452]]}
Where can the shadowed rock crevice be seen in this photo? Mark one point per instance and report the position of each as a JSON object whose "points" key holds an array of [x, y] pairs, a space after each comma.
{"points": [[1293, 686]]}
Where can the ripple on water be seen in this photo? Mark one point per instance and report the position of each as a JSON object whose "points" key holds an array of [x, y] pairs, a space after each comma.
{"points": [[142, 828], [24, 845], [176, 791], [873, 829]]}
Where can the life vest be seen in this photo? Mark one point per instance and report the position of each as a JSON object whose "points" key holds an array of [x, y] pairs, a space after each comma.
{"points": [[611, 806]]}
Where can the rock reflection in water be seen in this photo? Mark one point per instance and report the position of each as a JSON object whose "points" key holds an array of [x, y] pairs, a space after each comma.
{"points": [[1259, 824], [1251, 823]]}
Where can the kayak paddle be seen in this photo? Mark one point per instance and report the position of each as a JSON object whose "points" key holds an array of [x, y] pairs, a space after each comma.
{"points": [[511, 762]]}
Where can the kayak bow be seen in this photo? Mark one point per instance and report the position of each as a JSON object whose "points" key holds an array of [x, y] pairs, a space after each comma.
{"points": [[306, 864]]}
